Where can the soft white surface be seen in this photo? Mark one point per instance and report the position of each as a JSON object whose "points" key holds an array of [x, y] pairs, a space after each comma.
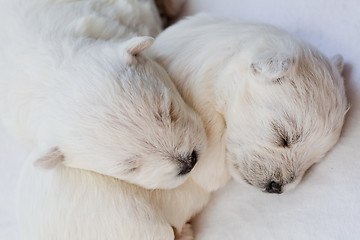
{"points": [[327, 203], [12, 156]]}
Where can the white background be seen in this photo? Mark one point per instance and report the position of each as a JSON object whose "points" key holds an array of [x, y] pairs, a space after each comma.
{"points": [[327, 203]]}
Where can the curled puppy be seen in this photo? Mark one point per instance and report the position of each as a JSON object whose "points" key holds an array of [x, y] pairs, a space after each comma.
{"points": [[76, 86], [271, 104], [104, 118]]}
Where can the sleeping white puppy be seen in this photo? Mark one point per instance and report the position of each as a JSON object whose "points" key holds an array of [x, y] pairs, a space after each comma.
{"points": [[76, 87], [271, 104]]}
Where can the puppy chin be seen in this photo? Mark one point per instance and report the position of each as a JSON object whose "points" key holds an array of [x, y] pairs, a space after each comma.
{"points": [[165, 183], [237, 176], [291, 186], [174, 183]]}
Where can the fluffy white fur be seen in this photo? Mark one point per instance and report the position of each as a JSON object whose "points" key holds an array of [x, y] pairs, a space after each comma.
{"points": [[77, 88], [74, 83], [271, 104], [264, 97], [70, 203]]}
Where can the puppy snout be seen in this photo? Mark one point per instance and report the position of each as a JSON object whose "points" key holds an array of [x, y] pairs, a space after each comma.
{"points": [[188, 163], [274, 187]]}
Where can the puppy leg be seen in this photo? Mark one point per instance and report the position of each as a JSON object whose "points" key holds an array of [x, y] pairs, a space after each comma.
{"points": [[186, 233]]}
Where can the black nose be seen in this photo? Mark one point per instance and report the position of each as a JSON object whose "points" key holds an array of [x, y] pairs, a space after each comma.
{"points": [[188, 163], [273, 187]]}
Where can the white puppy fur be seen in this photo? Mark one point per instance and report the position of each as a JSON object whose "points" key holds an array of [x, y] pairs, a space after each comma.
{"points": [[77, 88], [255, 88], [75, 85], [69, 203], [271, 104]]}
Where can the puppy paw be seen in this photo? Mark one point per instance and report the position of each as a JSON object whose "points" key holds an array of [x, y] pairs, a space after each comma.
{"points": [[186, 233]]}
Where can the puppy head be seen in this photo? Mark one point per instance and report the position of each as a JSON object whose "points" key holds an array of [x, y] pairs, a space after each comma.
{"points": [[286, 111], [129, 122]]}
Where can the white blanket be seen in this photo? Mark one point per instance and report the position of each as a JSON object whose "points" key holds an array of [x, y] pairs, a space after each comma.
{"points": [[326, 205]]}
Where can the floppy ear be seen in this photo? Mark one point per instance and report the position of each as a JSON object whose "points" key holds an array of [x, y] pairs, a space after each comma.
{"points": [[272, 65], [338, 62], [136, 45], [48, 158]]}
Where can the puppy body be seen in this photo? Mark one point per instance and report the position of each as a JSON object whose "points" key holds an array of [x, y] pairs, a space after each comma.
{"points": [[74, 77], [48, 34], [271, 104], [102, 117], [68, 203]]}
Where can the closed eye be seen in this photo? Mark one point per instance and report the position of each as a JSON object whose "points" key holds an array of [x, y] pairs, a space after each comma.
{"points": [[168, 115], [283, 138], [287, 140], [284, 142]]}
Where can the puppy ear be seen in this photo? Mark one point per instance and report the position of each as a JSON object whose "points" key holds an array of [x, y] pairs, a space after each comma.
{"points": [[271, 65], [338, 62], [136, 45], [48, 158]]}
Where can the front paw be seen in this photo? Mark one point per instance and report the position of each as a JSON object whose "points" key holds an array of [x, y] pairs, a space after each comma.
{"points": [[186, 233]]}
